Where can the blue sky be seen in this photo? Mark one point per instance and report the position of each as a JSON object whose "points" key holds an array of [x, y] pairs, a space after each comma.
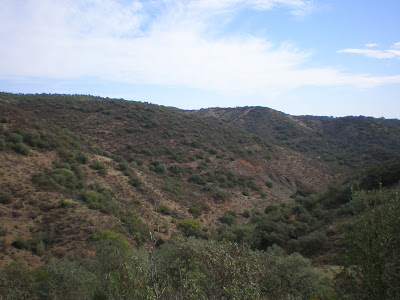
{"points": [[314, 57]]}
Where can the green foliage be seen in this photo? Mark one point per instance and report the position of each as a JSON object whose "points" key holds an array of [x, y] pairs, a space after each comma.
{"points": [[135, 181], [65, 279], [180, 269], [98, 197], [123, 166], [21, 148], [271, 208], [100, 167], [16, 282], [336, 195], [165, 210], [2, 145], [5, 198], [220, 195], [269, 184], [111, 251], [15, 138], [198, 179], [18, 205], [173, 188], [229, 218], [118, 158], [309, 244], [384, 175], [158, 167], [246, 213], [74, 157], [56, 179], [20, 243], [189, 227], [199, 269], [195, 210], [97, 165], [135, 227], [175, 169], [371, 263], [196, 144]]}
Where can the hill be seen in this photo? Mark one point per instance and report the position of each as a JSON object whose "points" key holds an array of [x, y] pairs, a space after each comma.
{"points": [[73, 165], [356, 142]]}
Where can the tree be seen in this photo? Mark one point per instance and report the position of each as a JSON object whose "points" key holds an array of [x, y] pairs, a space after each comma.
{"points": [[189, 227], [372, 258]]}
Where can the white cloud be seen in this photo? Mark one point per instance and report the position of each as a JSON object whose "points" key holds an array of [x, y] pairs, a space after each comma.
{"points": [[396, 45], [371, 45], [158, 42], [297, 7], [389, 53]]}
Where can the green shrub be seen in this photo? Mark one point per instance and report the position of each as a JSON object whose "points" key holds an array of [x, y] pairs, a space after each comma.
{"points": [[2, 145], [198, 179], [309, 244], [165, 210], [196, 144], [161, 169], [175, 169], [90, 197], [16, 282], [18, 205], [271, 208], [102, 172], [21, 148], [66, 279], [97, 165], [20, 243], [229, 218], [111, 251], [15, 138], [55, 179], [135, 181], [80, 157], [130, 130], [220, 195], [189, 227], [246, 213], [118, 158], [100, 198], [195, 210], [5, 198], [269, 184]]}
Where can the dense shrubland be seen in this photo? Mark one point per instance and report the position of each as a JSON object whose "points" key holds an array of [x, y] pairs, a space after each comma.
{"points": [[181, 269], [193, 267]]}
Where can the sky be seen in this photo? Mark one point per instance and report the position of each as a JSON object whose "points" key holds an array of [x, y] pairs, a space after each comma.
{"points": [[302, 57]]}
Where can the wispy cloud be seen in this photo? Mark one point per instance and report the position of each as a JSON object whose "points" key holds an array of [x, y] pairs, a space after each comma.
{"points": [[393, 52], [169, 42], [371, 45]]}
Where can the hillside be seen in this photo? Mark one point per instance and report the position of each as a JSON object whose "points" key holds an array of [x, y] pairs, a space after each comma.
{"points": [[75, 165], [355, 142]]}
